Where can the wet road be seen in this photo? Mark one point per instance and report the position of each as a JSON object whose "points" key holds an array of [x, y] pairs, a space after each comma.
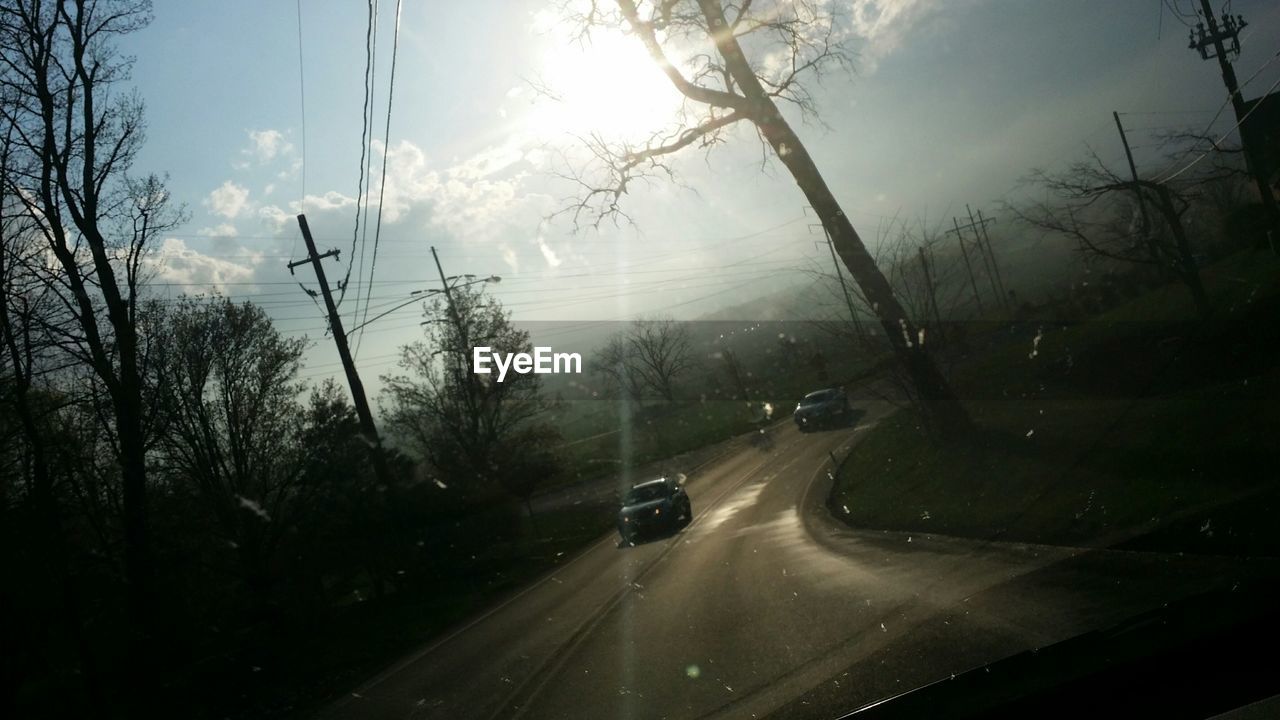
{"points": [[764, 604]]}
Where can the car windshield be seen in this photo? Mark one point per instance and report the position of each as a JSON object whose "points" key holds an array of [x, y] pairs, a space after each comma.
{"points": [[646, 493], [946, 333]]}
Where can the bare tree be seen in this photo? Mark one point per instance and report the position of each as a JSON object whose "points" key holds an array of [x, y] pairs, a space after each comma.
{"points": [[660, 354], [1218, 173], [647, 359], [25, 354], [738, 62], [613, 363], [1105, 215], [232, 426], [927, 280], [75, 140], [736, 372]]}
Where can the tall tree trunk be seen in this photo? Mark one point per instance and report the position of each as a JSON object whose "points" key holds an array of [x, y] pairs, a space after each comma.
{"points": [[54, 544], [137, 532], [1187, 270], [938, 403]]}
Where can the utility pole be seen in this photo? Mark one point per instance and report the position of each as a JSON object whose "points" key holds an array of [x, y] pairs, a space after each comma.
{"points": [[1133, 171], [982, 224], [973, 282], [1201, 41], [1137, 189], [988, 257], [465, 376], [848, 299], [344, 352]]}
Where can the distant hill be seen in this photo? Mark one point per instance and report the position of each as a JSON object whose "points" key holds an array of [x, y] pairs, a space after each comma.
{"points": [[811, 299]]}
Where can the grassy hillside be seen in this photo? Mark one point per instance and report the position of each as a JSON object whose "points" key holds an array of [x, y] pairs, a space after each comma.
{"points": [[1140, 426]]}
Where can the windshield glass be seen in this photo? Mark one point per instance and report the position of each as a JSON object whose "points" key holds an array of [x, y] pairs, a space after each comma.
{"points": [[951, 328], [645, 494]]}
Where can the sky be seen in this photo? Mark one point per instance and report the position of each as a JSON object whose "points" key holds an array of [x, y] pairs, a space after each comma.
{"points": [[255, 113]]}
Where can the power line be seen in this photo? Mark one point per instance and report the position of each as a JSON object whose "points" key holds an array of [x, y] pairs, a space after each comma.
{"points": [[368, 168], [302, 107], [584, 325], [1230, 96], [1166, 112], [764, 266], [1177, 13], [632, 291], [506, 279], [1214, 147], [364, 143], [382, 183], [558, 303], [302, 102]]}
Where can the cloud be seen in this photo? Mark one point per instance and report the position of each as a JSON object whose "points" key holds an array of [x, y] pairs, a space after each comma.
{"points": [[483, 198], [228, 200], [478, 199], [174, 262], [883, 26], [511, 259], [223, 236], [221, 230], [273, 217], [332, 200], [489, 161], [547, 253], [267, 145]]}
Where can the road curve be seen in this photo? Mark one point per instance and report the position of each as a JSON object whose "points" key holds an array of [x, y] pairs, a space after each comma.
{"points": [[765, 605]]}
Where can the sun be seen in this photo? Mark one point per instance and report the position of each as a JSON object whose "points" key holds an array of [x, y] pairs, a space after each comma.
{"points": [[608, 85]]}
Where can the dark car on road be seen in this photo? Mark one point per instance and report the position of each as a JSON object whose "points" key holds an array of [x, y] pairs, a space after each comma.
{"points": [[822, 407], [660, 504]]}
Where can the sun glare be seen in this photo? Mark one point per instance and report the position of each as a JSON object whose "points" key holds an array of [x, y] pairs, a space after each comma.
{"points": [[608, 85]]}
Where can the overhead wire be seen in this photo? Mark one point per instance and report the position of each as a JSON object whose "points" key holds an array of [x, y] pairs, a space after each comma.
{"points": [[382, 182], [1239, 90], [1209, 127], [1216, 143], [1177, 12], [368, 152], [612, 291], [364, 144], [302, 107], [621, 319], [651, 287]]}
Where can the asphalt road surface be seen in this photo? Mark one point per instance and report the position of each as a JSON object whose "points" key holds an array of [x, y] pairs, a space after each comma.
{"points": [[764, 605]]}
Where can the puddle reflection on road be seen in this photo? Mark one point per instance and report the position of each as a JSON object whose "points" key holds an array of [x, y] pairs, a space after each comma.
{"points": [[742, 499]]}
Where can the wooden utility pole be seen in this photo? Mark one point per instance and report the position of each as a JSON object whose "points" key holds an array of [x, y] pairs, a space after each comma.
{"points": [[848, 299], [982, 225], [1137, 189], [465, 377], [1200, 40], [988, 257], [1133, 171], [973, 281], [367, 426]]}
